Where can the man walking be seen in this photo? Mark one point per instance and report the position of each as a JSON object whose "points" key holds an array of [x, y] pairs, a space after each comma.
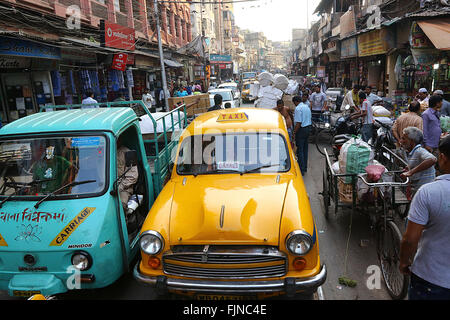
{"points": [[88, 101], [424, 250], [351, 98], [445, 109], [423, 98], [302, 129], [286, 113], [410, 119], [318, 103], [432, 125], [366, 114]]}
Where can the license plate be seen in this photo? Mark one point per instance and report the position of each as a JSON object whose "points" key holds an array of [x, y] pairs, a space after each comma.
{"points": [[223, 297], [25, 293]]}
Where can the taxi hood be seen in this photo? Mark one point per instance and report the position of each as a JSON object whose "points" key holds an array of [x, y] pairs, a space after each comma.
{"points": [[227, 209]]}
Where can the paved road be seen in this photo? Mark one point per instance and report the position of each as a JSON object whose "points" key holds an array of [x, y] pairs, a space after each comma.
{"points": [[333, 236]]}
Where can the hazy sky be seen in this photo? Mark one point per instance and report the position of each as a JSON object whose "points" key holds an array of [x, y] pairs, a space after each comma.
{"points": [[276, 18]]}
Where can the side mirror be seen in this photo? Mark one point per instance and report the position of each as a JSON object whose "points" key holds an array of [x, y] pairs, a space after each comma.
{"points": [[131, 158], [227, 105]]}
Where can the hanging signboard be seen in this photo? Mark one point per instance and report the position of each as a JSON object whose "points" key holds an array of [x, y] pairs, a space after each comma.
{"points": [[219, 58], [120, 61], [320, 72], [349, 48], [374, 42]]}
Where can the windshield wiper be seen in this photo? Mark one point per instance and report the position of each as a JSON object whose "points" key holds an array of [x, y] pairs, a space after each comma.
{"points": [[25, 185], [71, 184], [260, 167]]}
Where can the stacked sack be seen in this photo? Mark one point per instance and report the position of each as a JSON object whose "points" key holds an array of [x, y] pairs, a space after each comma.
{"points": [[268, 94], [280, 82], [382, 114], [354, 157]]}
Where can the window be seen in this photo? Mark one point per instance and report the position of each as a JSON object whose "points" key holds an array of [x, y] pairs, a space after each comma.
{"points": [[169, 22], [177, 27], [119, 6], [39, 166], [233, 153]]}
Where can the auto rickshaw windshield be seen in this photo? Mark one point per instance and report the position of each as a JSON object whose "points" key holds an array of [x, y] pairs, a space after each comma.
{"points": [[39, 166]]}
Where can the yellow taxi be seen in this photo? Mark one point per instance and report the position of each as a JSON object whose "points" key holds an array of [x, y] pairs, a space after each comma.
{"points": [[234, 221], [245, 94]]}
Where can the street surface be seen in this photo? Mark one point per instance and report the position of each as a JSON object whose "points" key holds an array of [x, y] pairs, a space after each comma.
{"points": [[333, 235]]}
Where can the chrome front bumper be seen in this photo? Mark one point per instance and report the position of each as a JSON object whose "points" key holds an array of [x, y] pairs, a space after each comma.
{"points": [[288, 285]]}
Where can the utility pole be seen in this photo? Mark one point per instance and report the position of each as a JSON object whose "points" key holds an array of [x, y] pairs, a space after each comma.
{"points": [[161, 57]]}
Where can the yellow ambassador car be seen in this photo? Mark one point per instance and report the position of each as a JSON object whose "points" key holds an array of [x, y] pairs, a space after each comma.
{"points": [[234, 221]]}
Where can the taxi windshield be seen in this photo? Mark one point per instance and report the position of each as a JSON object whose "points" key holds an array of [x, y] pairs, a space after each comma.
{"points": [[226, 95], [233, 153], [40, 166]]}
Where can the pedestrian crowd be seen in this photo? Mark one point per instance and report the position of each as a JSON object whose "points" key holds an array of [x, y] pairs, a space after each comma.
{"points": [[153, 99]]}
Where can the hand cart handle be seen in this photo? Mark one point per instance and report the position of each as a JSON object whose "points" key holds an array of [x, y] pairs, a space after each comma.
{"points": [[384, 184]]}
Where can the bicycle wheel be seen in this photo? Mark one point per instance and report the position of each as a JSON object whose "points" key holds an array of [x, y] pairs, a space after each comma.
{"points": [[324, 139], [388, 247]]}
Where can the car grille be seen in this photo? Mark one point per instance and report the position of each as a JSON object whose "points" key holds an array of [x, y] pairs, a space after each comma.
{"points": [[225, 262]]}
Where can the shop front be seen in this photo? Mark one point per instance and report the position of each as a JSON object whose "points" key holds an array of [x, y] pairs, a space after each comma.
{"points": [[347, 73], [221, 66], [372, 49], [25, 80], [430, 45]]}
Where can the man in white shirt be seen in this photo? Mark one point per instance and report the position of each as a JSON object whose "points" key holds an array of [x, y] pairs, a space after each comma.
{"points": [[372, 97], [147, 98], [88, 101], [161, 98]]}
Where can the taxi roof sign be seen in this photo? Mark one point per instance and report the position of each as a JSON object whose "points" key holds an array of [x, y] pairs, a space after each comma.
{"points": [[235, 116]]}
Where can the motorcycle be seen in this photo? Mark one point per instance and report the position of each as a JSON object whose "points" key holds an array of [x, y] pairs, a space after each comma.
{"points": [[336, 135]]}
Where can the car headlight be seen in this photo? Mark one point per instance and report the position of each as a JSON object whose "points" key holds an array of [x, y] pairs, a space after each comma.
{"points": [[151, 242], [81, 260], [299, 242]]}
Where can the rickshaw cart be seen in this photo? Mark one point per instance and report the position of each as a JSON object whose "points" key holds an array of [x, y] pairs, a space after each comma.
{"points": [[380, 201]]}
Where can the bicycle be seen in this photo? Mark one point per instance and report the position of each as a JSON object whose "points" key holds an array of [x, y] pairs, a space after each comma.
{"points": [[388, 234]]}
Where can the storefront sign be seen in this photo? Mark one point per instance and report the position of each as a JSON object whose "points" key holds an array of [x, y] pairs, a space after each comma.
{"points": [[120, 61], [14, 62], [25, 48], [320, 72], [374, 42], [219, 58], [117, 36], [349, 48], [225, 66]]}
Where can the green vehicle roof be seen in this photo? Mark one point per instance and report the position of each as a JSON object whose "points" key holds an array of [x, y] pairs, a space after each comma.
{"points": [[103, 119]]}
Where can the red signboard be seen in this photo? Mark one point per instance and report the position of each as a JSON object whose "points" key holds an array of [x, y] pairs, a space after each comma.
{"points": [[120, 61], [117, 36]]}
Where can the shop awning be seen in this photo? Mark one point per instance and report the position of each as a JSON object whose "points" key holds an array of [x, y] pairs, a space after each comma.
{"points": [[173, 64], [438, 31]]}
